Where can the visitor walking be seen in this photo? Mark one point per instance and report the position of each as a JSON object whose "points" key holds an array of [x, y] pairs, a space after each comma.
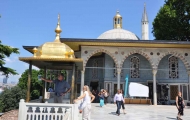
{"points": [[101, 95], [180, 105], [61, 88], [106, 95], [86, 105], [117, 99], [122, 103]]}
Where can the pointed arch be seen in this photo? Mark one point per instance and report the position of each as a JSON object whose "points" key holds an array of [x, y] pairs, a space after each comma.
{"points": [[139, 52], [178, 55], [104, 51]]}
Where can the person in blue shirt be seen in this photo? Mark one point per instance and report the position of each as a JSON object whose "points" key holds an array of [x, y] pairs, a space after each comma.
{"points": [[61, 88]]}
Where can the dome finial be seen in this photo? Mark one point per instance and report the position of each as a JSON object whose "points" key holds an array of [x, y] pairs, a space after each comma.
{"points": [[58, 30], [117, 20]]}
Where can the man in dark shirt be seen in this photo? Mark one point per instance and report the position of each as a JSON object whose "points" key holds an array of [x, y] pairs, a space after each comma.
{"points": [[61, 88]]}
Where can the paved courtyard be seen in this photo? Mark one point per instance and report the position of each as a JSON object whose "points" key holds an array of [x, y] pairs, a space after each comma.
{"points": [[137, 112]]}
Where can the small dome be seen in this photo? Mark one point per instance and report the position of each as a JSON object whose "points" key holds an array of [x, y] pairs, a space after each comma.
{"points": [[55, 50], [120, 34]]}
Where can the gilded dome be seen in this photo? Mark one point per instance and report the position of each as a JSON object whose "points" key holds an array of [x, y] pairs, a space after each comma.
{"points": [[54, 49], [119, 34]]}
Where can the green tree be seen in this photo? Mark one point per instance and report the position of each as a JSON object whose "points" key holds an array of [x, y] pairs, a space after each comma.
{"points": [[173, 21], [10, 98], [36, 85], [6, 51]]}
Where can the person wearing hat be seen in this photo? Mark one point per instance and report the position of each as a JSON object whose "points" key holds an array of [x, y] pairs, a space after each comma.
{"points": [[62, 87]]}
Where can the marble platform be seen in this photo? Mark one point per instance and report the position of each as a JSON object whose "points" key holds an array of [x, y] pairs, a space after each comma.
{"points": [[137, 112]]}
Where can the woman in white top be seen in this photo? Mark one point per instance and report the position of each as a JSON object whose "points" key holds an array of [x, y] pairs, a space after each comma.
{"points": [[86, 102]]}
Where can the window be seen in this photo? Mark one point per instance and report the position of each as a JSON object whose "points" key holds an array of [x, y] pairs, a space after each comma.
{"points": [[173, 67], [118, 21], [95, 69], [115, 21], [134, 67]]}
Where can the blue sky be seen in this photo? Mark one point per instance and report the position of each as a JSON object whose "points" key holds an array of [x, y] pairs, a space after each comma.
{"points": [[32, 22]]}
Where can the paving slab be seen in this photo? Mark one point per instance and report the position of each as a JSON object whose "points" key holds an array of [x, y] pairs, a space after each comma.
{"points": [[137, 112]]}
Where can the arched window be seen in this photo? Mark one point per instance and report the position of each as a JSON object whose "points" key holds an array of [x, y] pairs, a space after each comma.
{"points": [[115, 21], [173, 67], [95, 69], [118, 21], [134, 67]]}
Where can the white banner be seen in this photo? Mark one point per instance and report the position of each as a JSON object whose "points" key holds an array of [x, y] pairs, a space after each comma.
{"points": [[138, 90]]}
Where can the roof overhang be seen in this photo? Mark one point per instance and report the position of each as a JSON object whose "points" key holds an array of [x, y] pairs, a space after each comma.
{"points": [[54, 63], [76, 43]]}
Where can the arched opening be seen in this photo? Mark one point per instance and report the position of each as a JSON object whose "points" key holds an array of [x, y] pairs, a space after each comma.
{"points": [[100, 72], [172, 73], [139, 70]]}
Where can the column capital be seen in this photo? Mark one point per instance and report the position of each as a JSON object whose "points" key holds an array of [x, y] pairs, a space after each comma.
{"points": [[188, 72], [154, 70], [118, 70], [82, 71]]}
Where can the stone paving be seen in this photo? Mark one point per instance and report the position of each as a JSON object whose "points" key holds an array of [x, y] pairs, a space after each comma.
{"points": [[137, 112]]}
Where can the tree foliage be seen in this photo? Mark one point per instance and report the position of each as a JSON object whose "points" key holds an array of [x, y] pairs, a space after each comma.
{"points": [[6, 51], [10, 98], [36, 85], [173, 21]]}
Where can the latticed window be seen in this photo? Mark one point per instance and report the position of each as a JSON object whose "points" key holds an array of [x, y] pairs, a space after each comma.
{"points": [[115, 71], [134, 67], [95, 69], [173, 67]]}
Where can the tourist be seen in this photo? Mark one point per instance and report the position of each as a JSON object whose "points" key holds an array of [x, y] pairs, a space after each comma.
{"points": [[117, 100], [122, 103], [61, 88], [180, 105], [101, 95], [106, 95], [85, 107]]}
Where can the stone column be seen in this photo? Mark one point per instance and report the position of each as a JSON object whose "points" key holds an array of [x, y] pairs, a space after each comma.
{"points": [[154, 71], [72, 85], [29, 82], [118, 78], [189, 84], [82, 81]]}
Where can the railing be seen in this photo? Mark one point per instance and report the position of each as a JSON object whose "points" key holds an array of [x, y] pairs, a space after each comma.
{"points": [[47, 111]]}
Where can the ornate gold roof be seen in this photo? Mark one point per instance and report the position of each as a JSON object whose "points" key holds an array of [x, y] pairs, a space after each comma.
{"points": [[51, 53], [54, 49]]}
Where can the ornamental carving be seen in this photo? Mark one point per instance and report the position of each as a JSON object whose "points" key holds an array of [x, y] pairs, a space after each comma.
{"points": [[173, 67]]}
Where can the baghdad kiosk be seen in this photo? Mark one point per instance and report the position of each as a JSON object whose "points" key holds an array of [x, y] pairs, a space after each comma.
{"points": [[104, 62]]}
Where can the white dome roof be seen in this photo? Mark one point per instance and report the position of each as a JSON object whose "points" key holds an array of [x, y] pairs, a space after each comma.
{"points": [[120, 34]]}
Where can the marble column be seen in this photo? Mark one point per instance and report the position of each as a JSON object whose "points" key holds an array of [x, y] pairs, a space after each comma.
{"points": [[189, 84], [72, 85], [118, 78], [29, 82], [82, 82], [154, 71]]}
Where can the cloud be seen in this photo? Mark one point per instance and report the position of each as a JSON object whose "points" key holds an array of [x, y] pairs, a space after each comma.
{"points": [[8, 60]]}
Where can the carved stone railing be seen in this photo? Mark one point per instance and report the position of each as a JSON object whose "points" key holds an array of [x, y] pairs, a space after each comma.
{"points": [[47, 111]]}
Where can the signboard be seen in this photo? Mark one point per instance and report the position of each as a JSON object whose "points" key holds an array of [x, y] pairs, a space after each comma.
{"points": [[138, 90]]}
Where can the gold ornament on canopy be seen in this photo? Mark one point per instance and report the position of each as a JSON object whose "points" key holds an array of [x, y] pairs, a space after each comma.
{"points": [[55, 49]]}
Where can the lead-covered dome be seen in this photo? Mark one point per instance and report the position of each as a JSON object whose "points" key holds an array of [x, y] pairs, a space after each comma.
{"points": [[118, 34]]}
